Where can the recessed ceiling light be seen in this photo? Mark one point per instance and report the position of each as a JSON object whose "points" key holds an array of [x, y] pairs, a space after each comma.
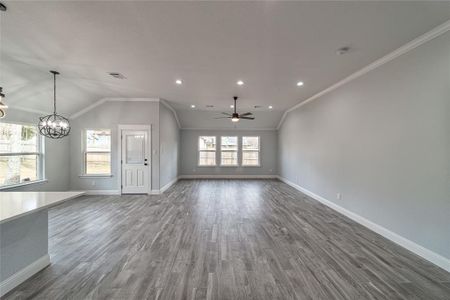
{"points": [[231, 106], [192, 106], [270, 106], [178, 81], [240, 82], [300, 83]]}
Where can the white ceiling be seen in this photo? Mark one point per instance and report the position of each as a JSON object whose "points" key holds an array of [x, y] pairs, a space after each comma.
{"points": [[209, 45]]}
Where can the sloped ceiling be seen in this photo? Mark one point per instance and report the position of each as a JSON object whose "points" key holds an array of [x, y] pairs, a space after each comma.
{"points": [[209, 45]]}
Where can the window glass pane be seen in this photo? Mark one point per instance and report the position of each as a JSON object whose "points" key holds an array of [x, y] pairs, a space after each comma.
{"points": [[16, 138], [98, 140], [207, 143], [207, 158], [229, 143], [17, 169], [229, 158], [250, 143], [98, 163], [250, 158]]}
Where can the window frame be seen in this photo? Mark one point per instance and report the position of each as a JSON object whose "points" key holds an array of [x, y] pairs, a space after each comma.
{"points": [[237, 151], [40, 158], [258, 151], [84, 153], [199, 150]]}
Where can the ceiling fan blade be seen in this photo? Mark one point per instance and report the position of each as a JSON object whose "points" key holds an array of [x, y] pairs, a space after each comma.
{"points": [[223, 118], [246, 114], [226, 114], [247, 118]]}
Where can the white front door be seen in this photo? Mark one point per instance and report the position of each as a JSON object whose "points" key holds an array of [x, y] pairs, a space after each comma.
{"points": [[135, 162]]}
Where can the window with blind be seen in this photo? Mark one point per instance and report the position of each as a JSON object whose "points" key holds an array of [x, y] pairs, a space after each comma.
{"points": [[21, 154], [228, 151], [206, 151], [251, 151], [97, 152]]}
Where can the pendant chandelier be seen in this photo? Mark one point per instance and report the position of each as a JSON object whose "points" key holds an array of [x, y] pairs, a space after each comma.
{"points": [[54, 126]]}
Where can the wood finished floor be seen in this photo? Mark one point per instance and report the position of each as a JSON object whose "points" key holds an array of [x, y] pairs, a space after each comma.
{"points": [[223, 239]]}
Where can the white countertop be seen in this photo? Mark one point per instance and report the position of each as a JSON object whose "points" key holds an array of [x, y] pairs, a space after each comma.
{"points": [[17, 204]]}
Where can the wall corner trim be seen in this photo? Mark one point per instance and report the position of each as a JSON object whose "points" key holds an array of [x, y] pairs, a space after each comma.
{"points": [[228, 176], [102, 192], [428, 36], [423, 252], [168, 185], [17, 278]]}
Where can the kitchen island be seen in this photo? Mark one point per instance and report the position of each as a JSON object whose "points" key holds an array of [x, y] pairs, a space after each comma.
{"points": [[24, 234]]}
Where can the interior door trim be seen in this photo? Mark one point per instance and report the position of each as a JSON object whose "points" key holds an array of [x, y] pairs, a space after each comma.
{"points": [[122, 127]]}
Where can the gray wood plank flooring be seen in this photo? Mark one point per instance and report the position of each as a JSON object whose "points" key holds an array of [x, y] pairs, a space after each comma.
{"points": [[223, 239]]}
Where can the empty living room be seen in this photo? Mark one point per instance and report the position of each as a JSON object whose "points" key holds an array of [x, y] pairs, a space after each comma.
{"points": [[224, 150]]}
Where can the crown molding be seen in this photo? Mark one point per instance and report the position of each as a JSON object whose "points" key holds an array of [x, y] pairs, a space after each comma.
{"points": [[31, 110], [230, 129], [428, 36], [103, 100], [166, 104]]}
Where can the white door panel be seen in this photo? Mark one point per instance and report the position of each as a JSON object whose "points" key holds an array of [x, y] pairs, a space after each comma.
{"points": [[135, 162]]}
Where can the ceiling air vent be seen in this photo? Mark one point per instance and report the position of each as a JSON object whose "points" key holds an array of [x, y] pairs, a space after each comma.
{"points": [[257, 106], [209, 106], [117, 75]]}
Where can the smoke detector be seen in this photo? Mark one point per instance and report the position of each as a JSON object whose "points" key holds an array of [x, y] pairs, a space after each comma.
{"points": [[117, 75], [342, 51]]}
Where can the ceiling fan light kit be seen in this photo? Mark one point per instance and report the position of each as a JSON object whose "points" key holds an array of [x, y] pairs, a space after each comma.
{"points": [[54, 126], [236, 117]]}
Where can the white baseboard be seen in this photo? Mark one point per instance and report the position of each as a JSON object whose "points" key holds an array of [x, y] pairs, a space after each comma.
{"points": [[425, 253], [22, 275], [103, 192], [154, 192], [228, 176], [164, 188]]}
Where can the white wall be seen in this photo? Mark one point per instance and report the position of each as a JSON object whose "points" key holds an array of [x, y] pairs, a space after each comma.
{"points": [[189, 155], [108, 116], [169, 140], [56, 156], [383, 142]]}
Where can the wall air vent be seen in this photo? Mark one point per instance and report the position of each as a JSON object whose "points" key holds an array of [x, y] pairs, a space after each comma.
{"points": [[117, 75]]}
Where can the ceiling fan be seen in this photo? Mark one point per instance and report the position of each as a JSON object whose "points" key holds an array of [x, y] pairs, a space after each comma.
{"points": [[235, 117]]}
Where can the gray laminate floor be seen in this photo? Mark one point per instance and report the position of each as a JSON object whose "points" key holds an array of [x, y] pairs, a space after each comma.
{"points": [[223, 239]]}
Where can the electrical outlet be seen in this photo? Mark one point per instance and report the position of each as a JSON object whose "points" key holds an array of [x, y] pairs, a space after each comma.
{"points": [[270, 170], [339, 196], [194, 170], [93, 182]]}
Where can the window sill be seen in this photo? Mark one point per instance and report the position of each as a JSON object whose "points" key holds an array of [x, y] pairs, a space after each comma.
{"points": [[7, 187], [96, 176], [254, 166]]}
